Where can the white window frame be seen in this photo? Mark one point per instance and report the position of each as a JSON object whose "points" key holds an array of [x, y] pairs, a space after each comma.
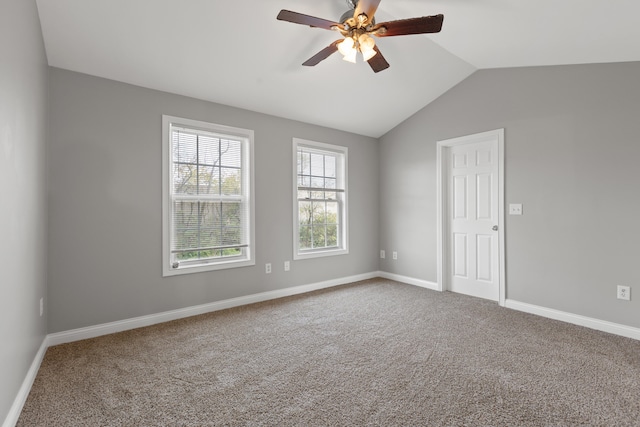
{"points": [[342, 175], [248, 256]]}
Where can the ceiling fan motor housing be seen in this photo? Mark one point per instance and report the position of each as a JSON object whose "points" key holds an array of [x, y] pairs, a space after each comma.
{"points": [[349, 15]]}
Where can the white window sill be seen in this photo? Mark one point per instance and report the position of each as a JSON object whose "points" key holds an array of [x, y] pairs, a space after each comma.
{"points": [[320, 253]]}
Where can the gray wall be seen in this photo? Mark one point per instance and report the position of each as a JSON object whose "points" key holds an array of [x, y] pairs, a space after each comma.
{"points": [[572, 156], [105, 204], [23, 210]]}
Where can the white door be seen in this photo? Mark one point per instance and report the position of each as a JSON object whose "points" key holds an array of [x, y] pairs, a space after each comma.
{"points": [[473, 218]]}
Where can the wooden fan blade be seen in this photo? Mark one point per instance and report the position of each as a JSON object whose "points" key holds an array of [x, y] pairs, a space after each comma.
{"points": [[378, 63], [323, 54], [312, 21], [402, 27], [368, 7]]}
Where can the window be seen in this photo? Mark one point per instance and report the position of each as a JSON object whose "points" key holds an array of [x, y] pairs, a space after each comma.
{"points": [[208, 211], [320, 194]]}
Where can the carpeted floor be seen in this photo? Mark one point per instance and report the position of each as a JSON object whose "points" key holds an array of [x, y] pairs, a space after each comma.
{"points": [[372, 353]]}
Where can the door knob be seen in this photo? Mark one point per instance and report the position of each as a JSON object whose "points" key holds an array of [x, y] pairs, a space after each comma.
{"points": [[495, 228]]}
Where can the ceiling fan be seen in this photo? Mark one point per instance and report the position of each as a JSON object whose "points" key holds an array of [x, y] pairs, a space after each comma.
{"points": [[357, 25]]}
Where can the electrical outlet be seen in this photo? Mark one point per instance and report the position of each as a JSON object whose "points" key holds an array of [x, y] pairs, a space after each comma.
{"points": [[515, 209], [395, 255], [41, 306], [267, 268], [287, 266], [624, 292], [382, 254]]}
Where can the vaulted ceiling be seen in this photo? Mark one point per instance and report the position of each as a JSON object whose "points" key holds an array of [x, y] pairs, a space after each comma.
{"points": [[236, 52]]}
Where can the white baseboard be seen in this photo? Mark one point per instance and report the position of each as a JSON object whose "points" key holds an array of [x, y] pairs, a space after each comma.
{"points": [[575, 319], [409, 280], [589, 322], [152, 319], [25, 388]]}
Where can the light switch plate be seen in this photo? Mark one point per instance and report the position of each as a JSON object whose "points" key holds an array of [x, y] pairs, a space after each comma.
{"points": [[515, 209]]}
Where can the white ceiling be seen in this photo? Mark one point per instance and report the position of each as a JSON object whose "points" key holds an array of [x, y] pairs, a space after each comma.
{"points": [[237, 53]]}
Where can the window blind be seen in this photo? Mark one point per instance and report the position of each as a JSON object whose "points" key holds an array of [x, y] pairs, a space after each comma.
{"points": [[209, 200]]}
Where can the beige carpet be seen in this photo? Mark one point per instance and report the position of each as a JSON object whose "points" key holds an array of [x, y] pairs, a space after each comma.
{"points": [[373, 353]]}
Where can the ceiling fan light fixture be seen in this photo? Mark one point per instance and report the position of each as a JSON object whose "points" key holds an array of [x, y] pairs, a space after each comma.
{"points": [[366, 41], [367, 45], [348, 49], [346, 46], [368, 53], [351, 56]]}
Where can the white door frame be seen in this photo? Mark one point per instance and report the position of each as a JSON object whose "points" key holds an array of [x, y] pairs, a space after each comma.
{"points": [[442, 193]]}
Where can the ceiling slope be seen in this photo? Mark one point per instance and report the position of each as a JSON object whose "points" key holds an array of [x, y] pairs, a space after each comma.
{"points": [[238, 54]]}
